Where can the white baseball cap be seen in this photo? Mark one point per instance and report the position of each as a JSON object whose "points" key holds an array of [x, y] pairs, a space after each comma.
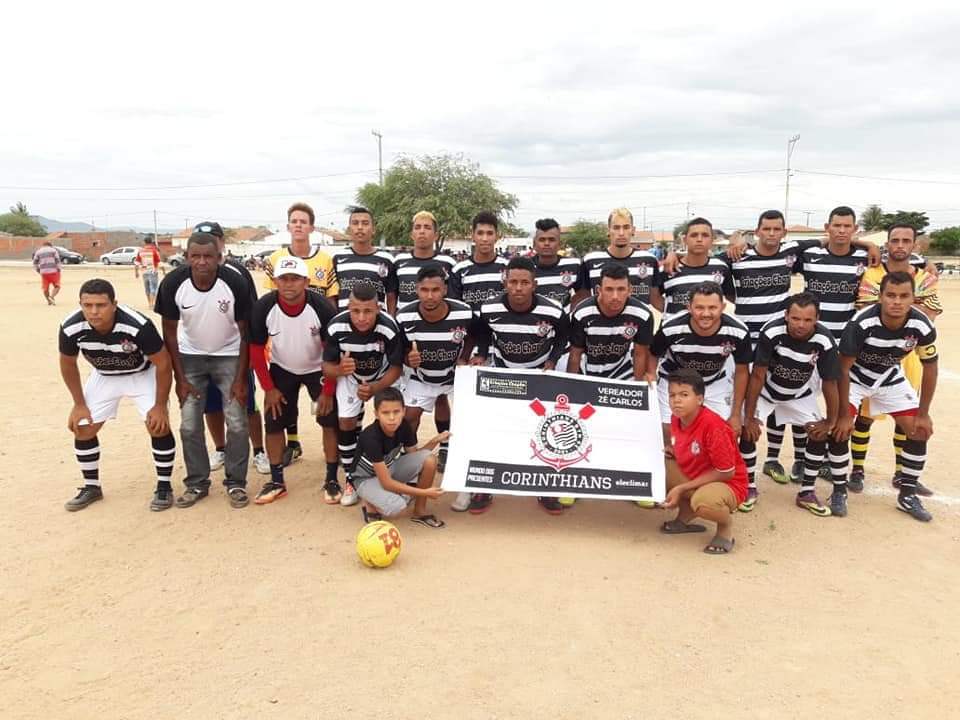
{"points": [[291, 265]]}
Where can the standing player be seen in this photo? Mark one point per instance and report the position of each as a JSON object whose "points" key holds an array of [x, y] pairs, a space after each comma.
{"points": [[365, 354], [363, 263], [295, 322], [558, 278], [899, 256], [643, 266], [871, 350], [300, 225], [205, 307], [611, 332], [782, 387], [147, 264], [520, 329], [424, 237], [703, 338], [46, 261], [696, 266], [479, 277], [129, 361]]}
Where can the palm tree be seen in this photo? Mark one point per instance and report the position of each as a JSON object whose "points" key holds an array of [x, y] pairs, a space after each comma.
{"points": [[872, 218]]}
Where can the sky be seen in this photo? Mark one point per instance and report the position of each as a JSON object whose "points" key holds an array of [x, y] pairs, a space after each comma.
{"points": [[204, 111]]}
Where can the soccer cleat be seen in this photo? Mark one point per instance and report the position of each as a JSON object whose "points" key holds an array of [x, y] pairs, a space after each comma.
{"points": [[922, 489], [216, 459], [349, 496], [461, 503], [646, 504], [774, 470], [838, 504], [751, 502], [261, 463], [269, 492], [480, 503], [855, 481], [162, 499], [911, 505], [88, 495], [796, 472], [442, 460], [809, 501], [551, 505], [332, 492], [291, 453], [567, 501]]}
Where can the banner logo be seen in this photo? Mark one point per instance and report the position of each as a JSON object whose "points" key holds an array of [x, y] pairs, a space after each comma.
{"points": [[560, 439]]}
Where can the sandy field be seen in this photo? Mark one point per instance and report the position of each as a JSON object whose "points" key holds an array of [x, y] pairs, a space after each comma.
{"points": [[266, 612]]}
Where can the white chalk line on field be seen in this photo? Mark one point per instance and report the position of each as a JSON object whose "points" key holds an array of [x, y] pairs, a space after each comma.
{"points": [[879, 490]]}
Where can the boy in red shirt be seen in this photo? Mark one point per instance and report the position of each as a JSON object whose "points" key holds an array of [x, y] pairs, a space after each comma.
{"points": [[706, 476]]}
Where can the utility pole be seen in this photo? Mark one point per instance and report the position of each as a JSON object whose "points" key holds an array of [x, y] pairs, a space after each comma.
{"points": [[807, 213], [644, 226], [791, 143], [379, 137]]}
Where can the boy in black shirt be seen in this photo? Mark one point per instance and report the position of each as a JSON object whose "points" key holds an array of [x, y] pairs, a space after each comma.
{"points": [[388, 461]]}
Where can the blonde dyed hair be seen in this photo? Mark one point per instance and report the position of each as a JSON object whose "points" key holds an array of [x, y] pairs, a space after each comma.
{"points": [[426, 215], [619, 213]]}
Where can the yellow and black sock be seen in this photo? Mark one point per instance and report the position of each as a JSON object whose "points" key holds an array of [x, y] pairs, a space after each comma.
{"points": [[860, 442]]}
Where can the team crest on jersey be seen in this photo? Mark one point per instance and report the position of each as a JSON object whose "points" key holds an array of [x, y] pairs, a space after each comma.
{"points": [[790, 260], [458, 334], [566, 278], [727, 348], [128, 346], [629, 330], [223, 306], [561, 439], [718, 277], [543, 328], [695, 447], [909, 342], [642, 271], [319, 273], [382, 270]]}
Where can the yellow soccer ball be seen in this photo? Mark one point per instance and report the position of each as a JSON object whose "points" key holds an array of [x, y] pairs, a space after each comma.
{"points": [[378, 544]]}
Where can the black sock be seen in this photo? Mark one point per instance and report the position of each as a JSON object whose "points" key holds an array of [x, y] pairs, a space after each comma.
{"points": [[913, 457], [293, 436], [332, 471], [748, 451], [276, 473], [347, 445], [442, 427], [88, 455], [774, 440], [164, 451]]}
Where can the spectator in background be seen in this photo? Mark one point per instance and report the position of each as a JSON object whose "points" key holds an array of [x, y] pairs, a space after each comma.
{"points": [[147, 264], [46, 261]]}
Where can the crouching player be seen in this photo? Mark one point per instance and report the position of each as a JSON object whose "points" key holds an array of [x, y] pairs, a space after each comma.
{"points": [[871, 349], [129, 360], [706, 476], [390, 469]]}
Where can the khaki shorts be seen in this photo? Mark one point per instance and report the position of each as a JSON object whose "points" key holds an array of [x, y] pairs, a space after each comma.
{"points": [[715, 495]]}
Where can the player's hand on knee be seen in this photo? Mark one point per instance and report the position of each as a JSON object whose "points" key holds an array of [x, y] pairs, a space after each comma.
{"points": [[922, 428], [752, 430], [238, 391], [79, 413], [843, 429], [185, 390], [273, 402], [324, 405], [158, 420]]}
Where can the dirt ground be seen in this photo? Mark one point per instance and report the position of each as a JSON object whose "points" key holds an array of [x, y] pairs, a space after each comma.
{"points": [[266, 612]]}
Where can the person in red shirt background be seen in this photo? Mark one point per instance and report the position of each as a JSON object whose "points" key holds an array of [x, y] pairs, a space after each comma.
{"points": [[147, 264], [706, 476]]}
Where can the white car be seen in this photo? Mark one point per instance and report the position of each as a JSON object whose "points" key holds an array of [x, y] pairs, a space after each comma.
{"points": [[120, 256]]}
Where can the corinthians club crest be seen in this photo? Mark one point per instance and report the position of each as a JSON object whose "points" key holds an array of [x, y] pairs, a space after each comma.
{"points": [[560, 439]]}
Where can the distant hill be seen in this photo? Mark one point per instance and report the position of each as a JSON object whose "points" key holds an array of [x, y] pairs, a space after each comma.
{"points": [[57, 226]]}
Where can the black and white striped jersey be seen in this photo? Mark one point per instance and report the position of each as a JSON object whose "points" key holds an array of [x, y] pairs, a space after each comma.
{"points": [[879, 350], [522, 339], [208, 320], [762, 283], [677, 346], [407, 268], [121, 351], [296, 341], [439, 343], [474, 283], [790, 362], [559, 281], [643, 267], [677, 286], [374, 351], [834, 279], [377, 269], [608, 342]]}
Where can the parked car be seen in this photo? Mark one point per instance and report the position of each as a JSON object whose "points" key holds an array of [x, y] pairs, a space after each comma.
{"points": [[120, 256], [68, 257], [176, 261]]}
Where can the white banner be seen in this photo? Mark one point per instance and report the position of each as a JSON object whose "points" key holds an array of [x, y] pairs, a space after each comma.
{"points": [[529, 432]]}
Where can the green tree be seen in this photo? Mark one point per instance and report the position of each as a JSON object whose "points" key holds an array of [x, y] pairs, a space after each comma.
{"points": [[678, 231], [19, 222], [871, 219], [584, 236], [449, 186], [945, 241], [913, 218]]}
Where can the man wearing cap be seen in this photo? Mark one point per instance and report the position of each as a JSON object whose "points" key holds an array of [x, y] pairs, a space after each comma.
{"points": [[295, 322], [205, 307]]}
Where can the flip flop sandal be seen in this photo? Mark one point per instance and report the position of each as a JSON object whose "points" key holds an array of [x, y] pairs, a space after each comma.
{"points": [[369, 516], [719, 546], [675, 527], [430, 521]]}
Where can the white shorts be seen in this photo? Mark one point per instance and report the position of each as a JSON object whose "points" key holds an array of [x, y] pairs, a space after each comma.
{"points": [[348, 404], [889, 400], [718, 397], [789, 412], [424, 395], [103, 393]]}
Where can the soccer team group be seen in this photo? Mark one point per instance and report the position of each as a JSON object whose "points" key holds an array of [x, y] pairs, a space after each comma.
{"points": [[362, 325]]}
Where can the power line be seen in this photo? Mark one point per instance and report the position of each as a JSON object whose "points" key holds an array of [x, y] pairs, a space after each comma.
{"points": [[875, 177], [631, 177]]}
